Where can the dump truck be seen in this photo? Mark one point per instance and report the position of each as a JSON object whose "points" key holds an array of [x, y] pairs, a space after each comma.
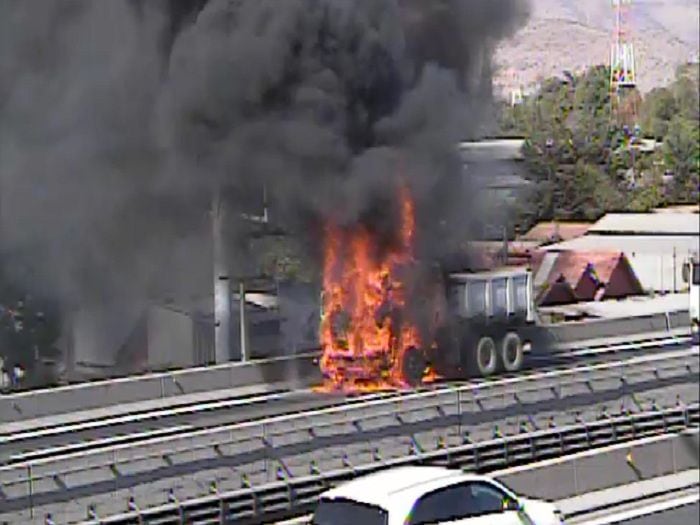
{"points": [[478, 325]]}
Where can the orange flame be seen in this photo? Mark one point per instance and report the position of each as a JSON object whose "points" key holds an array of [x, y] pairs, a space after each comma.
{"points": [[363, 336]]}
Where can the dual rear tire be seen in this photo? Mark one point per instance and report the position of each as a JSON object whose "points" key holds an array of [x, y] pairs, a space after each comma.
{"points": [[489, 358]]}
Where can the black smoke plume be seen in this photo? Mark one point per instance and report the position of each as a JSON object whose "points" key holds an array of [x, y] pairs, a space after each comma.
{"points": [[119, 119]]}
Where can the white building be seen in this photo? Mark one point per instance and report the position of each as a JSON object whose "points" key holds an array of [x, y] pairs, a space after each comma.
{"points": [[656, 244]]}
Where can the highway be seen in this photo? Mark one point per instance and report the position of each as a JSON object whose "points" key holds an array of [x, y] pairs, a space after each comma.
{"points": [[135, 426], [176, 464], [188, 471]]}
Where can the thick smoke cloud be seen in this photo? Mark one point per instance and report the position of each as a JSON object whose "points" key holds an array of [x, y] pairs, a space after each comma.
{"points": [[119, 119]]}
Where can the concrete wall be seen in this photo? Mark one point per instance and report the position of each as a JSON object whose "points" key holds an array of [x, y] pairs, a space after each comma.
{"points": [[602, 469], [96, 336], [170, 339]]}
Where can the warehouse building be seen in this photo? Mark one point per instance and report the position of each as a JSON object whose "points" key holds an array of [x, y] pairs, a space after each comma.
{"points": [[655, 244]]}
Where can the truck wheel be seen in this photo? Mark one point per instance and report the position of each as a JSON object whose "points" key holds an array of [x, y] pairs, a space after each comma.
{"points": [[486, 357], [512, 352], [413, 365]]}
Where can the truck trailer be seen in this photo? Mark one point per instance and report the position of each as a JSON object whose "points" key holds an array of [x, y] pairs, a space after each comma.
{"points": [[490, 323]]}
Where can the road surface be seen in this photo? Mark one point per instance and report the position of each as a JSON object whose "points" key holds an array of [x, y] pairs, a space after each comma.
{"points": [[686, 515]]}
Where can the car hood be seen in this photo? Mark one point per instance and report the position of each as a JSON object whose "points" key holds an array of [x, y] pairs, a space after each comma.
{"points": [[540, 512]]}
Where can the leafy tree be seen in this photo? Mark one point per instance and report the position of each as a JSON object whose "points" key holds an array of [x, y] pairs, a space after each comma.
{"points": [[658, 109], [647, 197], [682, 157], [584, 163], [686, 91]]}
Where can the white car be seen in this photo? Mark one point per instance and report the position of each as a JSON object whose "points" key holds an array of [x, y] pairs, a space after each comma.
{"points": [[429, 495]]}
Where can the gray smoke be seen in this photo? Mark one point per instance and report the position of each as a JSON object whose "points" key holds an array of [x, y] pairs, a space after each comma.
{"points": [[119, 119]]}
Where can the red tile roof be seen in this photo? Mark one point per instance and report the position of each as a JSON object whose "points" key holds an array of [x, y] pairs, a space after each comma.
{"points": [[554, 232]]}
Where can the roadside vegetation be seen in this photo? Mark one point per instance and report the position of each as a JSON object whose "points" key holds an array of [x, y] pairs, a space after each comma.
{"points": [[586, 158]]}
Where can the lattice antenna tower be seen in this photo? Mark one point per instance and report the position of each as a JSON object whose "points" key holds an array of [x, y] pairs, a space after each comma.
{"points": [[623, 72]]}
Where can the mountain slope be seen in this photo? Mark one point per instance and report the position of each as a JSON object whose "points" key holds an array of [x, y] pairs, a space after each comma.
{"points": [[575, 34]]}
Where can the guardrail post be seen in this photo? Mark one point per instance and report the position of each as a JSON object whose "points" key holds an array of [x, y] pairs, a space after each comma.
{"points": [[223, 512], [664, 421], [92, 513], [133, 507], [172, 498], [30, 490], [266, 459], [674, 459], [459, 412]]}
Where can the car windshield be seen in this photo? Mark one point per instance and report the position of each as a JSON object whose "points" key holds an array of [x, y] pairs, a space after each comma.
{"points": [[347, 512]]}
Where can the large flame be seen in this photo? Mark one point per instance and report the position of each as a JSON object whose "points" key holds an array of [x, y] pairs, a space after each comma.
{"points": [[364, 332]]}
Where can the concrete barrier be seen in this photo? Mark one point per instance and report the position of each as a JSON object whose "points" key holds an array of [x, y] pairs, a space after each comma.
{"points": [[298, 371], [577, 482], [607, 468]]}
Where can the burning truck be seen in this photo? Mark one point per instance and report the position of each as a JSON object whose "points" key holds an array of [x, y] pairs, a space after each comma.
{"points": [[384, 328]]}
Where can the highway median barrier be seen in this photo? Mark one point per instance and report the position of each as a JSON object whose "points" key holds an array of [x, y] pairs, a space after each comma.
{"points": [[297, 371]]}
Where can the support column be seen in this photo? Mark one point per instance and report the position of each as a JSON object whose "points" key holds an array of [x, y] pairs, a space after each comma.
{"points": [[242, 318], [222, 292]]}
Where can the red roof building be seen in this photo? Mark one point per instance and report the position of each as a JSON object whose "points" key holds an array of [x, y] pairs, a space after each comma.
{"points": [[591, 276]]}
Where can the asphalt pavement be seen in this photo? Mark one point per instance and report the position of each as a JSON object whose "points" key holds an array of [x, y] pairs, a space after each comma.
{"points": [[686, 515]]}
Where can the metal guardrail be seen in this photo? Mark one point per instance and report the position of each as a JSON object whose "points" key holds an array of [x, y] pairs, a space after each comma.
{"points": [[301, 369], [293, 445], [292, 497]]}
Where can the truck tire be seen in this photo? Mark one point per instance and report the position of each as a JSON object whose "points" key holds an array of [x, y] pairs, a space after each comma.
{"points": [[512, 355], [413, 365], [486, 358]]}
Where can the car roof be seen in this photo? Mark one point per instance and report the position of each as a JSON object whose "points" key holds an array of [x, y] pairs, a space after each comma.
{"points": [[398, 486]]}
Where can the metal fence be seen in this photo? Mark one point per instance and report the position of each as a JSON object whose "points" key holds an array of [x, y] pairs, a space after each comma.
{"points": [[293, 497], [294, 445]]}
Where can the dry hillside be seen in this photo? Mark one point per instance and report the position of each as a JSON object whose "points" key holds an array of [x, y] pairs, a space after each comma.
{"points": [[575, 34]]}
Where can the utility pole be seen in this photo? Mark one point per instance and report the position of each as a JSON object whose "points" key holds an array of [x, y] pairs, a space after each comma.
{"points": [[242, 322], [222, 291]]}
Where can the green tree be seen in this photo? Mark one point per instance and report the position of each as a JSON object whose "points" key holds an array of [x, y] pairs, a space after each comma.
{"points": [[658, 108], [682, 157], [581, 158], [648, 196]]}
